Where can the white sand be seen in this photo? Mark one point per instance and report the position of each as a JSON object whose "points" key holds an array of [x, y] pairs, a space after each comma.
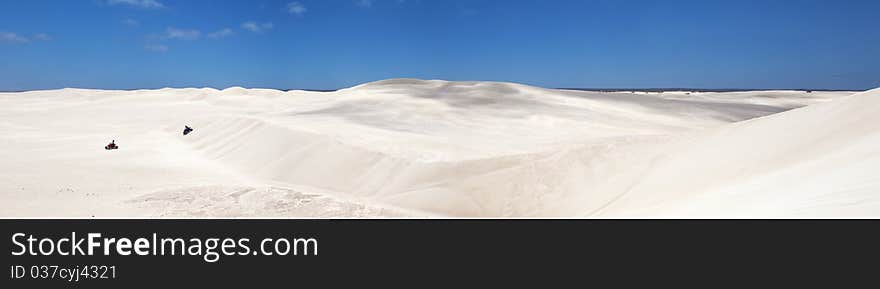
{"points": [[435, 148]]}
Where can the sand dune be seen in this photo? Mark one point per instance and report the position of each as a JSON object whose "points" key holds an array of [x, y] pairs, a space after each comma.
{"points": [[818, 161], [406, 147]]}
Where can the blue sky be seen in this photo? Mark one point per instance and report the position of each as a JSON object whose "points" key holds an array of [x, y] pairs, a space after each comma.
{"points": [[327, 44]]}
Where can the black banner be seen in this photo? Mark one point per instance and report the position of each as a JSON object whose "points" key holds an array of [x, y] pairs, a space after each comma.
{"points": [[418, 253]]}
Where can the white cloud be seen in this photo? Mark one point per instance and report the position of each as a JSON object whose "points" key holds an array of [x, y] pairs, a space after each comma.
{"points": [[131, 22], [9, 37], [182, 34], [369, 3], [257, 27], [42, 37], [156, 48], [148, 4], [296, 8], [222, 33]]}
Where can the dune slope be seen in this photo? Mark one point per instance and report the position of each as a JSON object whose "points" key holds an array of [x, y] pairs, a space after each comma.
{"points": [[817, 161]]}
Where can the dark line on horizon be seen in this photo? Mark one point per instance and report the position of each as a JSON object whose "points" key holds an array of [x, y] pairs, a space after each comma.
{"points": [[592, 89]]}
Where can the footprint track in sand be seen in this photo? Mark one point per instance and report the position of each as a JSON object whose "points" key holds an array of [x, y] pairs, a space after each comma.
{"points": [[227, 201]]}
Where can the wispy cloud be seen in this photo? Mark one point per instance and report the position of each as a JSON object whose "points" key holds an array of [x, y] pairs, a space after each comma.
{"points": [[156, 48], [14, 38], [42, 37], [131, 22], [147, 4], [222, 33], [296, 8], [9, 37], [253, 26], [182, 34], [369, 3]]}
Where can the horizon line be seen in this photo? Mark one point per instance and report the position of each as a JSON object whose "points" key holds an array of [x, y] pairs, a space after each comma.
{"points": [[596, 89], [592, 89]]}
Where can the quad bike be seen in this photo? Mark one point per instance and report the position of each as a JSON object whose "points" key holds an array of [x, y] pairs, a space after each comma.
{"points": [[111, 146]]}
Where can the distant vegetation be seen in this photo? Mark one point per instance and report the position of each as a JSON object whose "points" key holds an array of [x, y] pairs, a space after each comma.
{"points": [[694, 90]]}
